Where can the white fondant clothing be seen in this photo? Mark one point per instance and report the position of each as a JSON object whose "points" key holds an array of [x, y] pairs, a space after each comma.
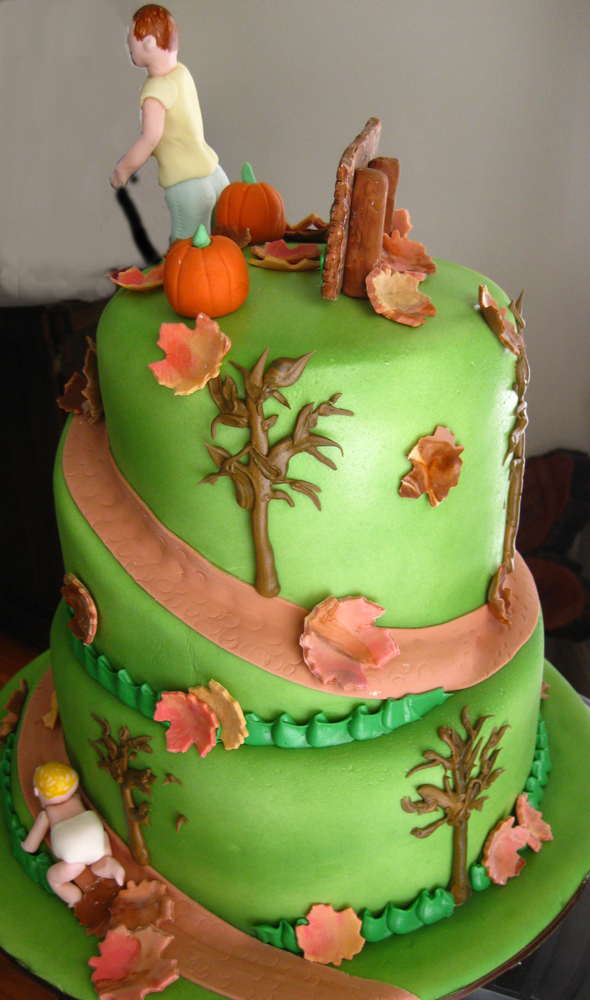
{"points": [[191, 203], [79, 840], [182, 152]]}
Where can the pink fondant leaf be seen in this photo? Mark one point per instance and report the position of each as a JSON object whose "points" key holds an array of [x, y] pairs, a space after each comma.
{"points": [[396, 296], [501, 859], [136, 281], [191, 721], [403, 254], [401, 222], [131, 964], [496, 319], [340, 641], [532, 821], [192, 356], [329, 935], [279, 250]]}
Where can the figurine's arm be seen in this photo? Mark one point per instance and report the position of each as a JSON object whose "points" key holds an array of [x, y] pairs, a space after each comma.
{"points": [[153, 114], [36, 833]]}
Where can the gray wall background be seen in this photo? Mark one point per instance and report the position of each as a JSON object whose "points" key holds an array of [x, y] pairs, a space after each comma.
{"points": [[485, 102]]}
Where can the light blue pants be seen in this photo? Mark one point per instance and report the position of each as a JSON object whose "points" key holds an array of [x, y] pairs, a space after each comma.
{"points": [[191, 203]]}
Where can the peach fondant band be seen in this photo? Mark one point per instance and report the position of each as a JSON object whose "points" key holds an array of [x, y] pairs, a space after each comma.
{"points": [[229, 612], [209, 951]]}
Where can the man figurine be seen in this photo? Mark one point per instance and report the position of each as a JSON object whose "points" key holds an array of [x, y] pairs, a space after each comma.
{"points": [[172, 126], [77, 837]]}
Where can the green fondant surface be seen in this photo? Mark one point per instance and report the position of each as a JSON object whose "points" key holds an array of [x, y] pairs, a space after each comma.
{"points": [[137, 634], [424, 565], [277, 831], [283, 732], [493, 927]]}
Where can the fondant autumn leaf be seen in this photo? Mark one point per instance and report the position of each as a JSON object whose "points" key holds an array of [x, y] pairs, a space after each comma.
{"points": [[311, 225], [141, 905], [131, 964], [500, 595], [241, 237], [403, 254], [279, 251], [396, 296], [330, 935], [532, 820], [136, 281], [78, 598], [496, 319], [401, 222], [93, 910], [227, 710], [191, 721], [192, 356], [436, 467], [13, 709], [340, 641], [545, 689], [52, 715], [501, 859], [73, 399], [93, 407]]}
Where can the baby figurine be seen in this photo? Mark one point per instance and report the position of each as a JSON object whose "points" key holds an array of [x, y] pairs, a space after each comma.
{"points": [[77, 838]]}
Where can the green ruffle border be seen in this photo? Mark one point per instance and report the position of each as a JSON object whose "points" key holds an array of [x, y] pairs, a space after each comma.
{"points": [[428, 907], [35, 865], [284, 732]]}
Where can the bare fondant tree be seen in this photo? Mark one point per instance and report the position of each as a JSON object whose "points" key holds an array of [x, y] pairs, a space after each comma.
{"points": [[116, 763], [459, 798], [259, 469]]}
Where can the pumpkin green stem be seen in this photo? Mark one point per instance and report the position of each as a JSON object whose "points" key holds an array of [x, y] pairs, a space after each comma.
{"points": [[201, 239], [248, 174]]}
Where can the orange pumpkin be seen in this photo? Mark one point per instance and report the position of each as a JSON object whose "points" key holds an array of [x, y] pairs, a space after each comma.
{"points": [[246, 204], [206, 274]]}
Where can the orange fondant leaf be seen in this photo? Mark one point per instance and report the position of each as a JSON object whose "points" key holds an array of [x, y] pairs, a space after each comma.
{"points": [[532, 820], [436, 467], [93, 407], [227, 710], [501, 859], [545, 689], [401, 222], [73, 399], [396, 297], [498, 323], [330, 935], [241, 237], [93, 910], [278, 250], [13, 708], [50, 718], [85, 620], [191, 721], [403, 254], [131, 964], [311, 225], [192, 356], [276, 264], [136, 281], [142, 905], [340, 641]]}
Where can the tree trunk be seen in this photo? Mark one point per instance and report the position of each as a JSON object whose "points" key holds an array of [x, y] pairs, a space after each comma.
{"points": [[459, 885], [137, 844], [266, 582]]}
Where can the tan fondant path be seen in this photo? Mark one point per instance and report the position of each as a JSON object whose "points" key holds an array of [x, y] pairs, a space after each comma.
{"points": [[209, 952], [266, 632]]}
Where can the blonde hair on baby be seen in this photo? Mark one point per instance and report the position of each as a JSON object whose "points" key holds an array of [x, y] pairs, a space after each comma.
{"points": [[54, 779]]}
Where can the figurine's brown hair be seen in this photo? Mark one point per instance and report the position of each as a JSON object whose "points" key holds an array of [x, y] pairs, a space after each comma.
{"points": [[157, 21]]}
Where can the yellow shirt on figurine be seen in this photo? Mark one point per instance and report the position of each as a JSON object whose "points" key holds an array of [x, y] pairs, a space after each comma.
{"points": [[182, 152]]}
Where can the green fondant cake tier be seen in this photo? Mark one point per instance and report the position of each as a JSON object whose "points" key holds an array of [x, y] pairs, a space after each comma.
{"points": [[424, 565], [272, 831]]}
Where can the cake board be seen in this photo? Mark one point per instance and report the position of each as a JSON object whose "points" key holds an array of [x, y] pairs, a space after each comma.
{"points": [[447, 959]]}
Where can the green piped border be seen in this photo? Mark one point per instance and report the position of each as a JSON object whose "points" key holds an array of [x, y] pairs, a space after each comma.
{"points": [[428, 907], [284, 732], [35, 865]]}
